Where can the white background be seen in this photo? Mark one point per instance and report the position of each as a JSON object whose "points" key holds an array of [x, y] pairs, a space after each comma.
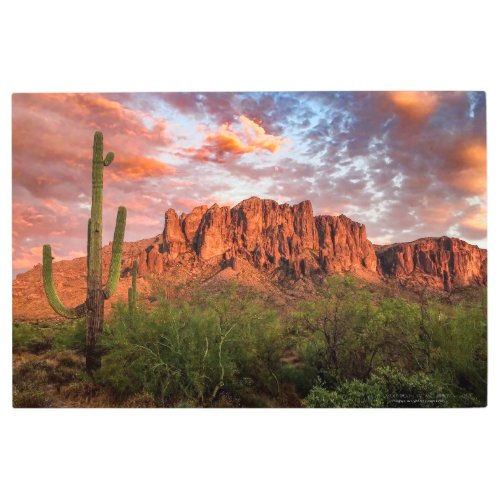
{"points": [[62, 46]]}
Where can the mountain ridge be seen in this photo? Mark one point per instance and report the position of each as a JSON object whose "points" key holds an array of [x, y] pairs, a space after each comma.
{"points": [[278, 244]]}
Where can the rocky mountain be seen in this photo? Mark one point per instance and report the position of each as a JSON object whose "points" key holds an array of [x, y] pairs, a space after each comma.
{"points": [[443, 263], [280, 249], [269, 235]]}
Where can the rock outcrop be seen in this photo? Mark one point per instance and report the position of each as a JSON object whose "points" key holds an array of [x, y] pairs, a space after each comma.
{"points": [[291, 239], [444, 263], [271, 236]]}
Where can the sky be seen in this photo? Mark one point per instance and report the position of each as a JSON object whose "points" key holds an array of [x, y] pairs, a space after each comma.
{"points": [[405, 164]]}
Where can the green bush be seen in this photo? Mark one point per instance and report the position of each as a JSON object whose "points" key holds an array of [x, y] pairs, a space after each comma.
{"points": [[319, 397], [191, 352], [32, 338], [354, 394], [387, 387], [38, 338], [412, 391], [340, 333], [70, 336], [301, 377], [459, 343]]}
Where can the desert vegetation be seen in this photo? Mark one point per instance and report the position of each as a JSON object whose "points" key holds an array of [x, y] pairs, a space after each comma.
{"points": [[351, 345], [93, 306]]}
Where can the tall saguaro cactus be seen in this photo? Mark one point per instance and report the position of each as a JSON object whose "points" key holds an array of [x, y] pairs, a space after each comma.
{"points": [[93, 307]]}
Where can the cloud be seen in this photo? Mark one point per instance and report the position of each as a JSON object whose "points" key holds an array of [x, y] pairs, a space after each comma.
{"points": [[56, 130], [140, 167], [468, 168], [55, 207], [229, 141], [414, 106], [473, 223], [218, 107], [405, 164], [27, 257]]}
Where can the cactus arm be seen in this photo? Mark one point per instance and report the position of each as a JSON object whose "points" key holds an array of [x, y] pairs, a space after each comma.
{"points": [[132, 291], [89, 246], [109, 158], [134, 277], [130, 299], [134, 283], [50, 291], [116, 253]]}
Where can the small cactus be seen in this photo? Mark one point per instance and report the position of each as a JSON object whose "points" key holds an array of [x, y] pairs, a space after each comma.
{"points": [[132, 291], [93, 307]]}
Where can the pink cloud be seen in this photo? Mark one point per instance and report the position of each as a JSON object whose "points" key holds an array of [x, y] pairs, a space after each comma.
{"points": [[414, 106], [52, 138], [468, 172], [57, 129], [234, 140], [473, 223], [140, 167]]}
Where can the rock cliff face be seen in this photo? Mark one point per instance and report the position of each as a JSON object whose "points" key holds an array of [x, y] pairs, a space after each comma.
{"points": [[291, 239], [270, 236], [443, 262]]}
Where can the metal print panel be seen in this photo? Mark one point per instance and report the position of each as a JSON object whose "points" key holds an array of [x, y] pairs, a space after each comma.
{"points": [[271, 249]]}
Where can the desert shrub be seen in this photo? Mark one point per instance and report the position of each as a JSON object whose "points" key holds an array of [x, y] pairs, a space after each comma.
{"points": [[466, 400], [70, 336], [459, 343], [39, 338], [350, 333], [52, 370], [387, 387], [140, 400], [358, 394], [69, 359], [31, 338], [255, 343], [189, 353], [337, 333], [354, 394], [412, 391], [163, 352], [228, 348], [30, 371], [60, 375], [29, 396], [396, 324], [319, 397], [228, 401], [302, 377]]}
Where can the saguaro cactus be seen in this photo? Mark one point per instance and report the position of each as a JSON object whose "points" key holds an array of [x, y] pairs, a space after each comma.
{"points": [[93, 307], [132, 291]]}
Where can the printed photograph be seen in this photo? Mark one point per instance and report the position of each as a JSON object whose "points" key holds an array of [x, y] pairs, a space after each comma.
{"points": [[249, 250]]}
